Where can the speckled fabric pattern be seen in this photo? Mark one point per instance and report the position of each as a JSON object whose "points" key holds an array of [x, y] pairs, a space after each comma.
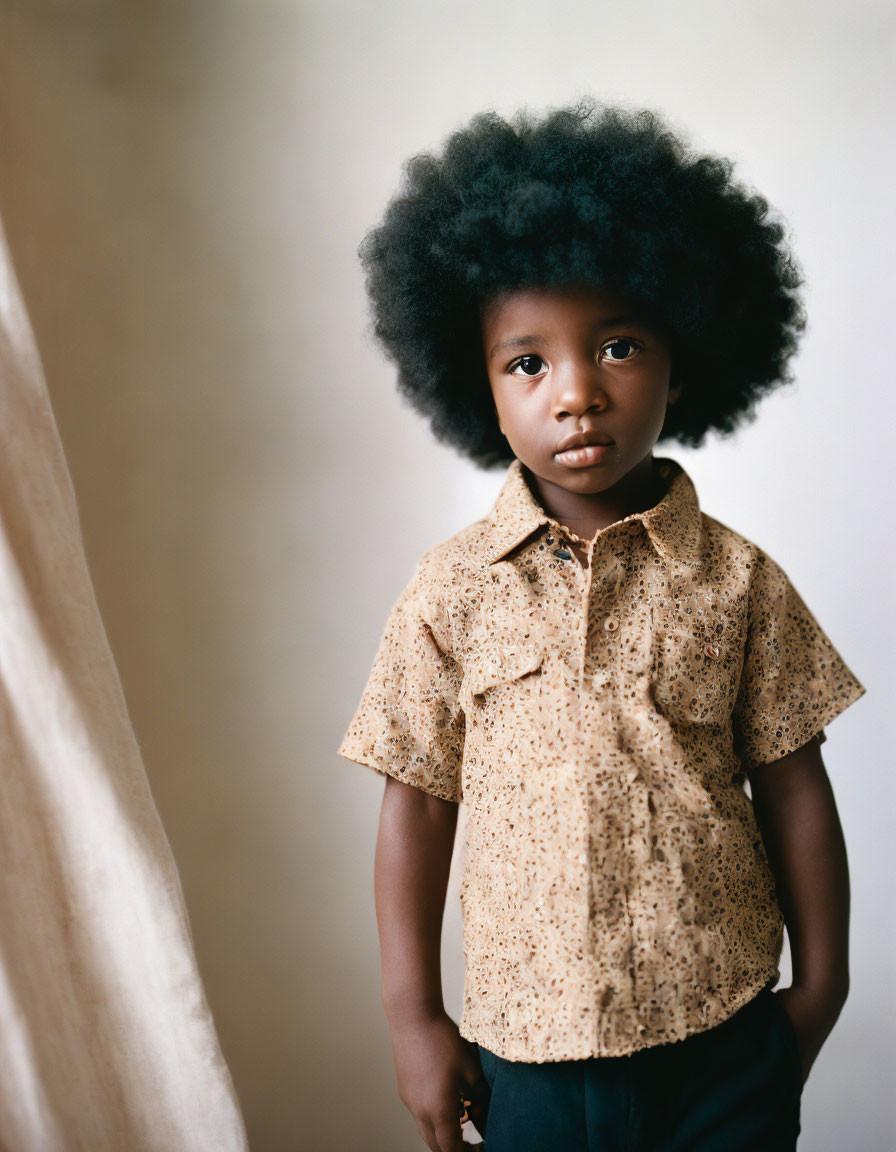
{"points": [[596, 705]]}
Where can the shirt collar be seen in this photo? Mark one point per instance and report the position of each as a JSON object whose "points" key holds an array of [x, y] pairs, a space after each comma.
{"points": [[673, 525]]}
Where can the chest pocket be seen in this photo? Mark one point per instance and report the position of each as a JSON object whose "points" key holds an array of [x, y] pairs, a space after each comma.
{"points": [[697, 659], [501, 692], [497, 664]]}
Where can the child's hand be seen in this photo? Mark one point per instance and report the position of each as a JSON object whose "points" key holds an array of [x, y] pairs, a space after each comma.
{"points": [[813, 1015], [435, 1068]]}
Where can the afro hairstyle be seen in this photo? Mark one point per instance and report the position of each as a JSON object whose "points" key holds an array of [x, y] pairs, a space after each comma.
{"points": [[588, 194]]}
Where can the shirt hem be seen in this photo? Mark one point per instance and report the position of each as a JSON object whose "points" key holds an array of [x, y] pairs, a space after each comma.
{"points": [[550, 1053]]}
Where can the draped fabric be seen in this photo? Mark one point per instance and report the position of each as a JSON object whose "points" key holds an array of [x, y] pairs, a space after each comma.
{"points": [[106, 1038]]}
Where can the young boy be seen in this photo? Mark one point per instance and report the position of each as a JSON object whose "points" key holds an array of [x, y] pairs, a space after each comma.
{"points": [[597, 666]]}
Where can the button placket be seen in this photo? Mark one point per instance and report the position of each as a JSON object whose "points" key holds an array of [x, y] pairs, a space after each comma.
{"points": [[584, 610], [607, 607]]}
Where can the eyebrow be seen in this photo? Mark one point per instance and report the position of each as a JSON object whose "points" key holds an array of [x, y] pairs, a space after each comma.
{"points": [[522, 341], [516, 342]]}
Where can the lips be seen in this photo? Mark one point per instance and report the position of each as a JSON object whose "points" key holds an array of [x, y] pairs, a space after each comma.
{"points": [[582, 440], [585, 457]]}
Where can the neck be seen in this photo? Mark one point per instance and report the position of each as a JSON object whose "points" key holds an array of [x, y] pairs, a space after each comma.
{"points": [[586, 513]]}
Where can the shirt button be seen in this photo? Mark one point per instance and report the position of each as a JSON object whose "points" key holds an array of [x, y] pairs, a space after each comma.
{"points": [[712, 650], [611, 623]]}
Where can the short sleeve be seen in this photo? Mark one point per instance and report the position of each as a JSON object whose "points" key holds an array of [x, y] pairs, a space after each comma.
{"points": [[794, 682], [409, 723]]}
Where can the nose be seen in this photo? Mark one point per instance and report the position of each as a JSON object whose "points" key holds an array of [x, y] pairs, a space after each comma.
{"points": [[578, 389]]}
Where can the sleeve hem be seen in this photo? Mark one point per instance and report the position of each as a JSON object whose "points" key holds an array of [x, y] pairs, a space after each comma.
{"points": [[432, 787], [800, 730]]}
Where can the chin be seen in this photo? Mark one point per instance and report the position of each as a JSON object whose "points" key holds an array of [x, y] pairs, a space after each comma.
{"points": [[585, 480]]}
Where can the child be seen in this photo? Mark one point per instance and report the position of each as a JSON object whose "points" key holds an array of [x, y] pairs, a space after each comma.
{"points": [[597, 667]]}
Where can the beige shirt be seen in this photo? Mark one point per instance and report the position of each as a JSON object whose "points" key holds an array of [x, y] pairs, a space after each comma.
{"points": [[597, 717]]}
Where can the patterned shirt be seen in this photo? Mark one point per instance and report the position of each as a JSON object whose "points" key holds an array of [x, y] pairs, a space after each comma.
{"points": [[597, 715]]}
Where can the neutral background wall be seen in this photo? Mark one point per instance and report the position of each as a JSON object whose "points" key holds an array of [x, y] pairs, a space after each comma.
{"points": [[184, 186]]}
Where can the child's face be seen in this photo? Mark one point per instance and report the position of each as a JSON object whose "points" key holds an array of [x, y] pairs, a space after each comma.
{"points": [[562, 361]]}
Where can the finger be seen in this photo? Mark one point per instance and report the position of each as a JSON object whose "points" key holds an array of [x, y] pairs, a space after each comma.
{"points": [[479, 1116], [479, 1095], [479, 1090], [428, 1135], [448, 1134]]}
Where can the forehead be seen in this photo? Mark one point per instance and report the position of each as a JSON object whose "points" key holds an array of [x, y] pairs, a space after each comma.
{"points": [[563, 304]]}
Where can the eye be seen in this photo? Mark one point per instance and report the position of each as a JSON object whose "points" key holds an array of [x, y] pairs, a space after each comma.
{"points": [[622, 344], [531, 365]]}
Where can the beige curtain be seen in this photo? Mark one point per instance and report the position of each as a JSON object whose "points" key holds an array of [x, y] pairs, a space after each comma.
{"points": [[106, 1039]]}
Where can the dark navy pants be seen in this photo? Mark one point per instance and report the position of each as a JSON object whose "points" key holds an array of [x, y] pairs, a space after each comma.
{"points": [[735, 1087]]}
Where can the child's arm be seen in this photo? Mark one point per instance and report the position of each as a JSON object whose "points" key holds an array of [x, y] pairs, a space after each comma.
{"points": [[801, 830], [433, 1063]]}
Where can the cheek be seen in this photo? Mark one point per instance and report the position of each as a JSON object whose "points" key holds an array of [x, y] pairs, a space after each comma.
{"points": [[653, 400], [519, 418], [506, 405], [497, 404]]}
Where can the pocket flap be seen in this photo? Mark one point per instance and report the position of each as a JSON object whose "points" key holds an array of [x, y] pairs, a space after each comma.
{"points": [[500, 664]]}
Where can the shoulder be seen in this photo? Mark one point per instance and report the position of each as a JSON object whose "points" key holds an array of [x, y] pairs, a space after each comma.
{"points": [[719, 536], [446, 587], [459, 560], [736, 558]]}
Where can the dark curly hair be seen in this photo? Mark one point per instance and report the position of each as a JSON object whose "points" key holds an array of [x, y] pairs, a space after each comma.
{"points": [[588, 194]]}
